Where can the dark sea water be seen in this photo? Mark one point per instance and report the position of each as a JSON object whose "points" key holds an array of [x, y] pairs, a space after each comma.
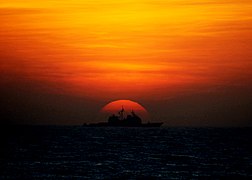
{"points": [[71, 152]]}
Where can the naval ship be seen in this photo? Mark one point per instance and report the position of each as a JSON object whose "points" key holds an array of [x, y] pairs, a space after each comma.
{"points": [[131, 120]]}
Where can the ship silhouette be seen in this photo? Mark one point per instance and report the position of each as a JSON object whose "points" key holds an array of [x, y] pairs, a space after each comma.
{"points": [[131, 120]]}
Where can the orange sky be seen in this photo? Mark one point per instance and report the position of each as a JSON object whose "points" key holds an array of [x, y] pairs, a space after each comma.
{"points": [[126, 49]]}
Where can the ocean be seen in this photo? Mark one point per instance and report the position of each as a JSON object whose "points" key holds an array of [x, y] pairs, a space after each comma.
{"points": [[74, 152]]}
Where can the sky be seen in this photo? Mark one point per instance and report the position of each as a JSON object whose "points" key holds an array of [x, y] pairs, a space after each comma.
{"points": [[187, 61]]}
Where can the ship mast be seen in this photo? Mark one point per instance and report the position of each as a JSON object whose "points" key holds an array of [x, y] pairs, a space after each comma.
{"points": [[121, 113]]}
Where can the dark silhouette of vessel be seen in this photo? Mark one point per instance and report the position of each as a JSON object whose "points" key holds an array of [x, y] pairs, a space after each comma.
{"points": [[131, 120]]}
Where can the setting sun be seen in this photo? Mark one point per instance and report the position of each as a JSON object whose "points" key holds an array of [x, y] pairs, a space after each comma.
{"points": [[127, 105]]}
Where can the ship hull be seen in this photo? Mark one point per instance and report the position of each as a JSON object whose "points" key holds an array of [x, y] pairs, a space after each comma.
{"points": [[122, 125]]}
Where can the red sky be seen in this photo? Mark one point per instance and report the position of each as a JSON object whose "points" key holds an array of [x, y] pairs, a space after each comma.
{"points": [[144, 50]]}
